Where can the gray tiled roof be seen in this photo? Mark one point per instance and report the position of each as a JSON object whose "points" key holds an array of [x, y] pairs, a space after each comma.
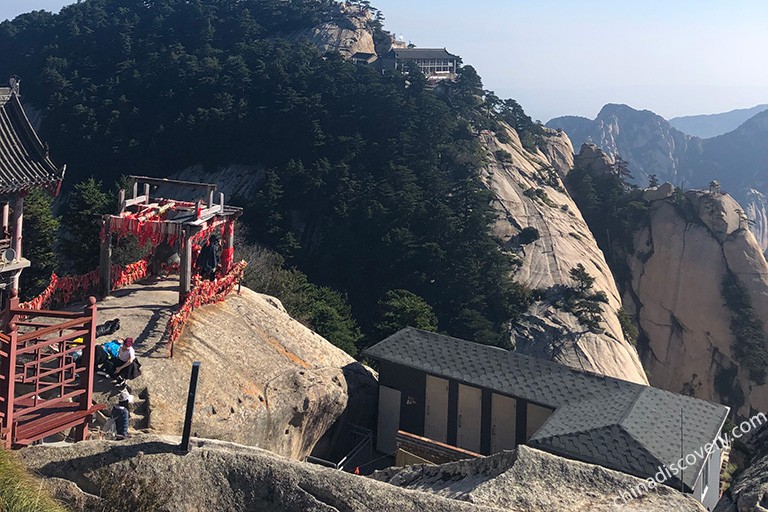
{"points": [[598, 419], [423, 53], [24, 161]]}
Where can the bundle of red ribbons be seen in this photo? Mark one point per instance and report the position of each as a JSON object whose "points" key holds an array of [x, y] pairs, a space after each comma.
{"points": [[203, 292]]}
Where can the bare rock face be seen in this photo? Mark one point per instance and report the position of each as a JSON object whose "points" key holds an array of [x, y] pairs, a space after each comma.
{"points": [[757, 211], [679, 262], [271, 382], [266, 380], [146, 473], [529, 193], [347, 34], [749, 493], [528, 479]]}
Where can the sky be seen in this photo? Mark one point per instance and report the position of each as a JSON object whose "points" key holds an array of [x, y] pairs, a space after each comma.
{"points": [[569, 57]]}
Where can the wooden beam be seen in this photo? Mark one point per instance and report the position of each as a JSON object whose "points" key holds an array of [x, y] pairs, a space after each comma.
{"points": [[179, 183], [121, 201]]}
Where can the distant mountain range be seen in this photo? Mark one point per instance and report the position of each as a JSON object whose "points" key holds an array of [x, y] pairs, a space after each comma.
{"points": [[653, 146], [712, 125]]}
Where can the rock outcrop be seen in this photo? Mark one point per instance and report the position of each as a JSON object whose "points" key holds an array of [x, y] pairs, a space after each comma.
{"points": [[146, 473], [680, 260], [266, 380], [749, 492], [529, 479], [348, 33], [529, 193]]}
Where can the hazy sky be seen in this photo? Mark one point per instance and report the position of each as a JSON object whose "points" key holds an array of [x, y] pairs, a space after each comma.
{"points": [[562, 57]]}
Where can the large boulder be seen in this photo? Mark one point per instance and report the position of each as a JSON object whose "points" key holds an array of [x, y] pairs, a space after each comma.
{"points": [[266, 380]]}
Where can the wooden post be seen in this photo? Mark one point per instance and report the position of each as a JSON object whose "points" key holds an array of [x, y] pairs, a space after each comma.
{"points": [[187, 432], [105, 260], [6, 214], [86, 378], [121, 201], [18, 222], [185, 268], [135, 190], [210, 198], [146, 193]]}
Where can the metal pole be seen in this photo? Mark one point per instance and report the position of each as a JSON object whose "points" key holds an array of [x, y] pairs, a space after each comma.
{"points": [[184, 446]]}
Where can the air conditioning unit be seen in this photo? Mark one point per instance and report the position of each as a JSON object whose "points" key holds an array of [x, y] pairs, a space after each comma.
{"points": [[8, 255]]}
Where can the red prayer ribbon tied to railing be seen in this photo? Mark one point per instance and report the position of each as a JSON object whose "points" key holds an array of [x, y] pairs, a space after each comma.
{"points": [[203, 292], [63, 290]]}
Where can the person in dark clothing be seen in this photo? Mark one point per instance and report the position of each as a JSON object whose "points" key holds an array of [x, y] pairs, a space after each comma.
{"points": [[121, 414], [208, 259]]}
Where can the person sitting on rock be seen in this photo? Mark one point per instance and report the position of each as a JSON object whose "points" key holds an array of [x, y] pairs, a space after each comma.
{"points": [[121, 414], [129, 367]]}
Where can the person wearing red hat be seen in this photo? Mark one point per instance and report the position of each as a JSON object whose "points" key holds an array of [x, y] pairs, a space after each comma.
{"points": [[130, 367]]}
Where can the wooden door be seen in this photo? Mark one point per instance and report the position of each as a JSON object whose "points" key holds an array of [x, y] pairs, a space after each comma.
{"points": [[436, 409], [389, 419], [503, 423], [469, 418]]}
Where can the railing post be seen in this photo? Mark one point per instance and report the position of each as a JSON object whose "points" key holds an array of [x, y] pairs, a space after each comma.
{"points": [[86, 377], [187, 433], [10, 383]]}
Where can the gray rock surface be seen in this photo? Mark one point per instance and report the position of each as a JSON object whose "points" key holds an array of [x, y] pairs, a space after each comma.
{"points": [[266, 380], [527, 479], [749, 492], [215, 475]]}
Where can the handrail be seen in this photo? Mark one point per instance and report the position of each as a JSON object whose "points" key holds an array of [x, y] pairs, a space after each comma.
{"points": [[70, 324]]}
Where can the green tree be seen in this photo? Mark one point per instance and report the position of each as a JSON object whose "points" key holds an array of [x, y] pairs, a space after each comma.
{"points": [[653, 181], [584, 281], [80, 243], [40, 228], [401, 308]]}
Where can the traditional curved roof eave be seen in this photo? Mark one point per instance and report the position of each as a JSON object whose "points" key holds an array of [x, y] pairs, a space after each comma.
{"points": [[24, 160]]}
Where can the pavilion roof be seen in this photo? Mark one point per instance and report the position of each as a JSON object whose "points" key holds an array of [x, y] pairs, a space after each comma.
{"points": [[24, 160]]}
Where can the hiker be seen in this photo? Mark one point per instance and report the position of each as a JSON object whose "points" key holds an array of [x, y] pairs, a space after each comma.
{"points": [[106, 359], [208, 259], [129, 367], [121, 414]]}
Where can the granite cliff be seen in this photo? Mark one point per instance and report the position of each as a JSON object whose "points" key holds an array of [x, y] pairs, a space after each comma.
{"points": [[697, 282], [529, 197]]}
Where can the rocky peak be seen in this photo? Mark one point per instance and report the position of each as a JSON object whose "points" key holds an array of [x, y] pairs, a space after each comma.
{"points": [[348, 33], [592, 157], [683, 259]]}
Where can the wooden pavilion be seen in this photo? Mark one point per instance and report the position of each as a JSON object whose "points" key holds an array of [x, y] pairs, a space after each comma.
{"points": [[184, 223], [46, 370]]}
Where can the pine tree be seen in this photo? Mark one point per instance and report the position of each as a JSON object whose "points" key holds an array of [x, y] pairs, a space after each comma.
{"points": [[80, 241], [40, 227]]}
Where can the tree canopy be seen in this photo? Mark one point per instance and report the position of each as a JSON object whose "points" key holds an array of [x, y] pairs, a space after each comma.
{"points": [[367, 182]]}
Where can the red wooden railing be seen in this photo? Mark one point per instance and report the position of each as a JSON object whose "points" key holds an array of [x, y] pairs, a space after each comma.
{"points": [[46, 373]]}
